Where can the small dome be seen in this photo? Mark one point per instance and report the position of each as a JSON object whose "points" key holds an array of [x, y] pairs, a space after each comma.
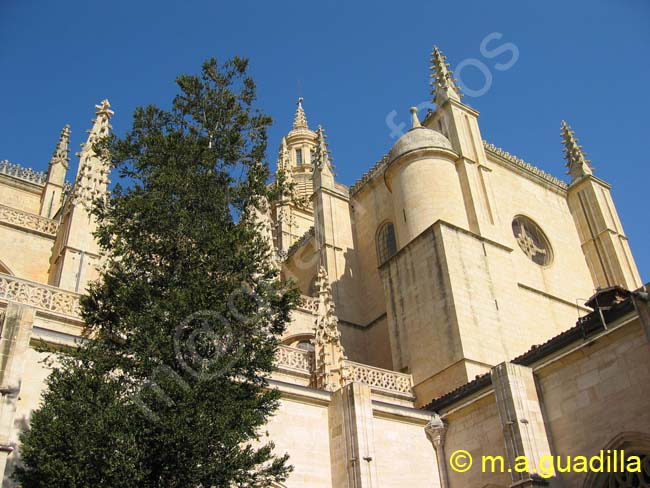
{"points": [[418, 138]]}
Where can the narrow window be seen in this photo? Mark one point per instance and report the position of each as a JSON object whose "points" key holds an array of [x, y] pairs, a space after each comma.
{"points": [[298, 157], [386, 243]]}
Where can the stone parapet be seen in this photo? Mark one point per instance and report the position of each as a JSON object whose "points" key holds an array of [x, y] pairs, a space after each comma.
{"points": [[26, 174], [42, 297], [29, 221]]}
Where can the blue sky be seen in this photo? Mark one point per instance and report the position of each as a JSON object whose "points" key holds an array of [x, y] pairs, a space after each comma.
{"points": [[354, 63]]}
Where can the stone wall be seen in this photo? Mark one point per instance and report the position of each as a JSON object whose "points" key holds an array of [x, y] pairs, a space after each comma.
{"points": [[20, 194], [25, 253], [477, 430], [597, 392], [371, 207]]}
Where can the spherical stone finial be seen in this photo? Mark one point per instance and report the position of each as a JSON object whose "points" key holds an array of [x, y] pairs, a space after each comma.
{"points": [[414, 117]]}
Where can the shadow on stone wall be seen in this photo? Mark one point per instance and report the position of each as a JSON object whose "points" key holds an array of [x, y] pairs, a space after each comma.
{"points": [[13, 460]]}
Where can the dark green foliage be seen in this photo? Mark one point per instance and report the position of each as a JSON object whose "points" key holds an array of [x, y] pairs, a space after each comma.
{"points": [[171, 390]]}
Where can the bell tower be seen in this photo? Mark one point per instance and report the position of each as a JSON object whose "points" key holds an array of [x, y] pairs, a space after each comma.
{"points": [[294, 214]]}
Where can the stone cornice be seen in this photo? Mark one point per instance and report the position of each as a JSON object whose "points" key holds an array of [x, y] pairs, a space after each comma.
{"points": [[523, 167], [587, 178], [377, 169], [461, 105], [442, 223]]}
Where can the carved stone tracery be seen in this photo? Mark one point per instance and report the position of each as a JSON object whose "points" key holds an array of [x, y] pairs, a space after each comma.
{"points": [[28, 220], [27, 174], [39, 296], [331, 371]]}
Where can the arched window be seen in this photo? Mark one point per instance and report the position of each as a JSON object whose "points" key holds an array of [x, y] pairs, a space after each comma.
{"points": [[632, 444], [300, 341], [386, 243]]}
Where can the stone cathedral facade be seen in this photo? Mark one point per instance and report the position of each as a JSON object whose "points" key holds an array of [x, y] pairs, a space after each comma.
{"points": [[455, 298]]}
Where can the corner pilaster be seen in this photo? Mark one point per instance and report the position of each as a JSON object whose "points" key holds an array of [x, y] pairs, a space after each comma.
{"points": [[352, 448], [521, 417], [603, 240]]}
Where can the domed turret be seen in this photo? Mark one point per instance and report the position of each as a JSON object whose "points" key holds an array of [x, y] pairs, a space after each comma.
{"points": [[422, 176], [418, 138]]}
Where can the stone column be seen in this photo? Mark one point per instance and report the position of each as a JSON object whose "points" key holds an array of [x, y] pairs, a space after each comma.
{"points": [[352, 444], [436, 430], [521, 417], [17, 324]]}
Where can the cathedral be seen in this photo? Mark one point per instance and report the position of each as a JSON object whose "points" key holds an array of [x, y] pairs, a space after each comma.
{"points": [[459, 305]]}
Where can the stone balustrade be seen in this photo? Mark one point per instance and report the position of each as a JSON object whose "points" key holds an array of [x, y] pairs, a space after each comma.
{"points": [[39, 296], [295, 359], [381, 380], [308, 304], [28, 220], [291, 359]]}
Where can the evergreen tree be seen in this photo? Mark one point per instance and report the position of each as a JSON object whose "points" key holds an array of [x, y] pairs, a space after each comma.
{"points": [[171, 388]]}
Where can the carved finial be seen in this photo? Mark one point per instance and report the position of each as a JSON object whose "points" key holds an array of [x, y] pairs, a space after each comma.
{"points": [[101, 125], [300, 119], [61, 154], [414, 118], [576, 161], [322, 159], [331, 372], [322, 149], [92, 176], [443, 84]]}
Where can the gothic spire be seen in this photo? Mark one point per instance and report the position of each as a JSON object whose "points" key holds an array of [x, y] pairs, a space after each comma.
{"points": [[61, 154], [92, 175], [300, 119], [443, 84], [576, 161]]}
